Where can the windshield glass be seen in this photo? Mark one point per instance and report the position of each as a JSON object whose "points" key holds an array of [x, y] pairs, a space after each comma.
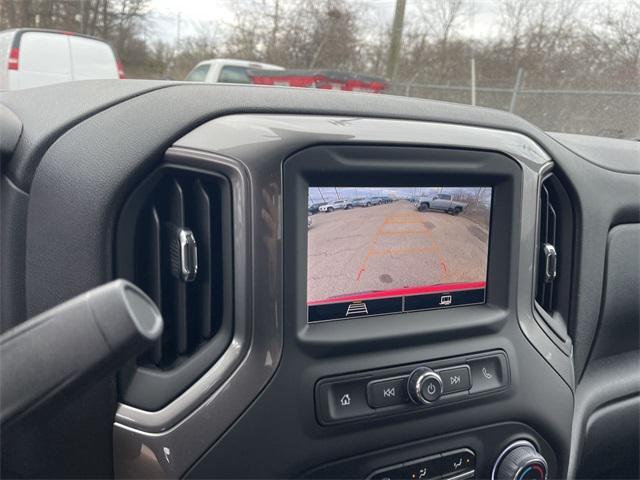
{"points": [[198, 74], [565, 65], [232, 74]]}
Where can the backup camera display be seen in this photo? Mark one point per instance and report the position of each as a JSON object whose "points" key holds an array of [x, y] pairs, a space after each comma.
{"points": [[378, 251]]}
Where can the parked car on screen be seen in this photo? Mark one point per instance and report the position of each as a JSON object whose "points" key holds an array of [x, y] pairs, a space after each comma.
{"points": [[33, 57], [226, 70], [315, 207], [441, 201], [337, 205], [375, 200], [361, 202]]}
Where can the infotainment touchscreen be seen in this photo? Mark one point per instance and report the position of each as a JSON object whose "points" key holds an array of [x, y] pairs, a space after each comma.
{"points": [[381, 251]]}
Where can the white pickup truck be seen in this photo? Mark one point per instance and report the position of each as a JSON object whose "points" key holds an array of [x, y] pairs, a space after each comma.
{"points": [[226, 70], [441, 201]]}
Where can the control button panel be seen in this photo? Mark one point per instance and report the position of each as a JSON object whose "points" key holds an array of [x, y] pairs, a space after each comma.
{"points": [[410, 387], [455, 465]]}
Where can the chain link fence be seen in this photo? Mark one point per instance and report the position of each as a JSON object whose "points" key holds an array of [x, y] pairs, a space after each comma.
{"points": [[591, 112]]}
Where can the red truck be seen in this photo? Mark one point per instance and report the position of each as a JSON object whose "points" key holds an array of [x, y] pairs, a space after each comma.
{"points": [[325, 79]]}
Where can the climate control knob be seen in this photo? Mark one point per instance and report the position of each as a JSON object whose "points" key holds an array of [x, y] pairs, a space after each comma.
{"points": [[424, 386], [520, 461]]}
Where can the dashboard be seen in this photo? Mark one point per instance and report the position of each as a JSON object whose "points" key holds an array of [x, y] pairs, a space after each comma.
{"points": [[362, 286]]}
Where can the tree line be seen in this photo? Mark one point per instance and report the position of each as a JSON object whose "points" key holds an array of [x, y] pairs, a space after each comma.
{"points": [[560, 44]]}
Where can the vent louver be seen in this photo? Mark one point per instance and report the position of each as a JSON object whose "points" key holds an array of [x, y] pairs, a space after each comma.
{"points": [[175, 243], [555, 244], [548, 251]]}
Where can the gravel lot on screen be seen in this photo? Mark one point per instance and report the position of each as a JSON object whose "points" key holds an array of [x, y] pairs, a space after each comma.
{"points": [[392, 246]]}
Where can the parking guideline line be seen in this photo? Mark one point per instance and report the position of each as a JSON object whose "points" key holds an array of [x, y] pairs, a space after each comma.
{"points": [[363, 265], [443, 264], [365, 262], [402, 251], [403, 232], [380, 231]]}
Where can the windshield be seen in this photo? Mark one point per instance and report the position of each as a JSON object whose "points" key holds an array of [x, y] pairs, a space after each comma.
{"points": [[564, 65], [232, 74], [198, 74]]}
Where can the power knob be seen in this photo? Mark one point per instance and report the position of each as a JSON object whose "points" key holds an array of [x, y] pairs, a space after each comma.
{"points": [[424, 386], [520, 461]]}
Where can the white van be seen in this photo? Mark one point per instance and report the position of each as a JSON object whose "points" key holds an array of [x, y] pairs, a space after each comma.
{"points": [[226, 70], [31, 57]]}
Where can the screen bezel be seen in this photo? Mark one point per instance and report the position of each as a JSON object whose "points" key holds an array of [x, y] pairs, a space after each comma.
{"points": [[484, 296], [386, 166]]}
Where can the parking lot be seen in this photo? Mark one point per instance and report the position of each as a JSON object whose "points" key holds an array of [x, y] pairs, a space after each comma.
{"points": [[392, 246]]}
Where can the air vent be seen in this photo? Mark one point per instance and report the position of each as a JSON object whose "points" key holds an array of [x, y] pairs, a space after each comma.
{"points": [[174, 242], [555, 244], [548, 251]]}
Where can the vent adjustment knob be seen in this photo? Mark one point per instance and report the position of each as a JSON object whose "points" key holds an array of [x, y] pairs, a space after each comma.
{"points": [[184, 254]]}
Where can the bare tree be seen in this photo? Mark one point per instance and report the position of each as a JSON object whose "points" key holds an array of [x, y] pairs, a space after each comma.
{"points": [[296, 33], [441, 17], [513, 19], [201, 46], [429, 40]]}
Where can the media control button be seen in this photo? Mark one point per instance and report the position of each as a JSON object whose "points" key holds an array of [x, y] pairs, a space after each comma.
{"points": [[384, 393], [341, 310], [443, 300], [424, 468], [458, 461], [455, 379], [424, 386], [431, 389], [343, 400], [487, 373]]}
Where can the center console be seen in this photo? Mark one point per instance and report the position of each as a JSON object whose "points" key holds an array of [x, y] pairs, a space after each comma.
{"points": [[391, 332], [410, 245]]}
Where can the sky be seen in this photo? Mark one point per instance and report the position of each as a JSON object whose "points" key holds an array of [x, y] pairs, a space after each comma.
{"points": [[196, 13]]}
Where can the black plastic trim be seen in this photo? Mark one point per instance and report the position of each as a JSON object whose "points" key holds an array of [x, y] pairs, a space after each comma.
{"points": [[384, 165]]}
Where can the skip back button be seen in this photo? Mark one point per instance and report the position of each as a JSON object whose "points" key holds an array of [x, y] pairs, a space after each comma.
{"points": [[388, 392]]}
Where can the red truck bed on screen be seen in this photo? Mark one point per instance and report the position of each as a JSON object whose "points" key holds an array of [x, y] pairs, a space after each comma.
{"points": [[325, 79]]}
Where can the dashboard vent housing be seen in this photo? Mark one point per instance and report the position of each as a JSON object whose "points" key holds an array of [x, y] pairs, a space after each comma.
{"points": [[174, 241], [554, 253]]}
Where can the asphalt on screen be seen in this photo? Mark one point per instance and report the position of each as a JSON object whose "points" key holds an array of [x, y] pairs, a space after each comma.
{"points": [[391, 246]]}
